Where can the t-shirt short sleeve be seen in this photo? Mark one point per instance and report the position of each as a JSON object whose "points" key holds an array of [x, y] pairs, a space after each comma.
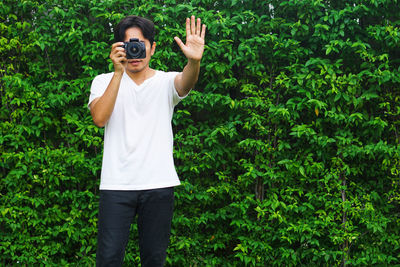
{"points": [[175, 96], [99, 86]]}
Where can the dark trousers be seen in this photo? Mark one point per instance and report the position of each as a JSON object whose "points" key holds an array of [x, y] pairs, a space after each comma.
{"points": [[117, 210]]}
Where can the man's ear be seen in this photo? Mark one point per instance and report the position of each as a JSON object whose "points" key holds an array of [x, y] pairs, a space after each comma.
{"points": [[153, 49]]}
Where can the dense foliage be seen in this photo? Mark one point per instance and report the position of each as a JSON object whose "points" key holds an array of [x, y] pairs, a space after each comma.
{"points": [[288, 149]]}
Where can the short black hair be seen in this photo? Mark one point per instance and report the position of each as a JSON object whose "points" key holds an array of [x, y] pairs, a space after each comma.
{"points": [[145, 25]]}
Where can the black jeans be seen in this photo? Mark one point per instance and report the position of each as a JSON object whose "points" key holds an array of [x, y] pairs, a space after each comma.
{"points": [[117, 209]]}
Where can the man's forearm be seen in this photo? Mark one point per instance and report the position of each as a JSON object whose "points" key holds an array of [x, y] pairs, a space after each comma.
{"points": [[102, 107], [188, 77]]}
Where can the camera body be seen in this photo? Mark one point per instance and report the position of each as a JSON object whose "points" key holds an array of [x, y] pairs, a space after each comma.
{"points": [[134, 49]]}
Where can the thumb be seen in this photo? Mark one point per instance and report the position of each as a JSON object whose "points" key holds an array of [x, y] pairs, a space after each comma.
{"points": [[179, 42]]}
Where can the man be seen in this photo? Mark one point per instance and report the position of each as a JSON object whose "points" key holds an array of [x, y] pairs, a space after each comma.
{"points": [[135, 103]]}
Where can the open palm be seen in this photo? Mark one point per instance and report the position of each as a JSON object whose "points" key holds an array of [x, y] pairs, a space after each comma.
{"points": [[195, 33]]}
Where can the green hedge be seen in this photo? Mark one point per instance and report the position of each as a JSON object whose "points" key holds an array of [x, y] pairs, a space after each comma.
{"points": [[288, 149]]}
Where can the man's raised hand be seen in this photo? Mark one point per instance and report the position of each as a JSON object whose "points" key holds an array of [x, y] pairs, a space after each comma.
{"points": [[195, 33]]}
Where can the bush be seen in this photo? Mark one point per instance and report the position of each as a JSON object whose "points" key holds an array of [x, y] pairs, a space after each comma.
{"points": [[288, 149]]}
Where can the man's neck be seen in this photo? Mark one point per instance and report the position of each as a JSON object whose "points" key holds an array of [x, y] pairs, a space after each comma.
{"points": [[141, 76]]}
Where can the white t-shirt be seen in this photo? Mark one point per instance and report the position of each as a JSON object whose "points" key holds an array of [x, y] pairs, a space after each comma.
{"points": [[138, 138]]}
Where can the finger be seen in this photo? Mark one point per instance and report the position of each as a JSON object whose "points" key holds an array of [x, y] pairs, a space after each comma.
{"points": [[198, 26], [179, 42], [121, 60], [203, 32], [193, 25], [118, 56], [117, 44], [118, 53], [117, 49], [187, 27]]}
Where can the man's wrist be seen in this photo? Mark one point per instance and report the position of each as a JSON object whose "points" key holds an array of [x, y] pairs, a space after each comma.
{"points": [[193, 62], [118, 74]]}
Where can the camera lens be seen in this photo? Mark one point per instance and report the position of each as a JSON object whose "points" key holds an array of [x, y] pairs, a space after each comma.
{"points": [[134, 49]]}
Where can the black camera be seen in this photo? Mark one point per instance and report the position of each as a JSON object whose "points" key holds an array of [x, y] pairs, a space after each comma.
{"points": [[134, 48]]}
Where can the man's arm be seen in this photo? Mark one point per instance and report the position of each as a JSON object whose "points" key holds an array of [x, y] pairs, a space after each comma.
{"points": [[102, 107], [193, 50]]}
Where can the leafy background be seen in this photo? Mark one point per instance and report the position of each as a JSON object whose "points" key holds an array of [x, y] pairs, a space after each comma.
{"points": [[288, 149]]}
